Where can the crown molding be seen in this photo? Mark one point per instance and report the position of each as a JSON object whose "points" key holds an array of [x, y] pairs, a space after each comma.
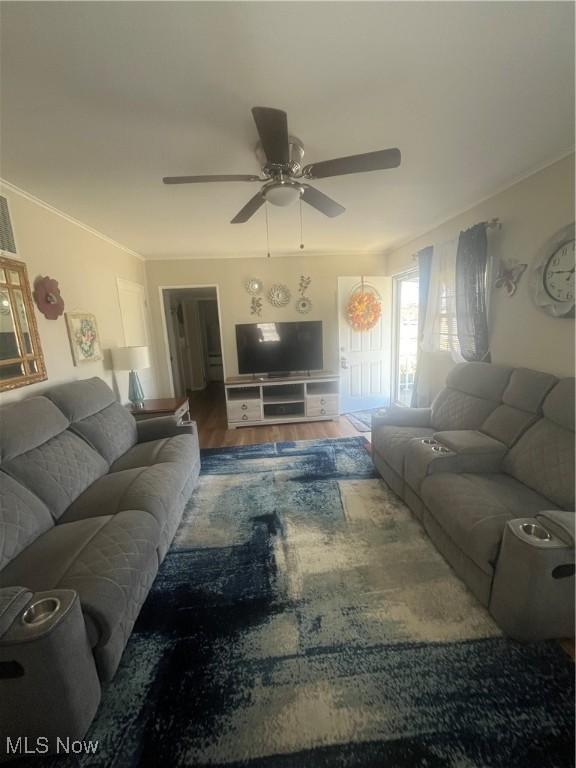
{"points": [[70, 219], [291, 254]]}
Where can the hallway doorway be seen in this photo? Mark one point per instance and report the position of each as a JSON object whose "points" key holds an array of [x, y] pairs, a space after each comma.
{"points": [[192, 322]]}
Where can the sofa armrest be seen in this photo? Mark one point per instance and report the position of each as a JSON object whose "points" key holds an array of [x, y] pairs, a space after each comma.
{"points": [[400, 416], [470, 442], [532, 595], [161, 427], [13, 600]]}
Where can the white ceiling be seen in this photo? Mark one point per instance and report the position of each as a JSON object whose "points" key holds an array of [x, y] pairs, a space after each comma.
{"points": [[100, 100]]}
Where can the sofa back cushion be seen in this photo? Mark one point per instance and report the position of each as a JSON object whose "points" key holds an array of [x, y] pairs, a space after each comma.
{"points": [[543, 458], [521, 405], [96, 415], [472, 392], [41, 453], [23, 517]]}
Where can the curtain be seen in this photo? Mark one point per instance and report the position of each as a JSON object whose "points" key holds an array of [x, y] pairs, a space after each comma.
{"points": [[471, 311], [424, 269], [440, 328]]}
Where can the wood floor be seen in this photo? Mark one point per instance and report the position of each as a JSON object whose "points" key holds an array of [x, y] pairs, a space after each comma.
{"points": [[208, 410]]}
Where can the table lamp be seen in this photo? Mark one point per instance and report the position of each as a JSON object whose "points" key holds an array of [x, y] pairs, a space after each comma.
{"points": [[132, 359]]}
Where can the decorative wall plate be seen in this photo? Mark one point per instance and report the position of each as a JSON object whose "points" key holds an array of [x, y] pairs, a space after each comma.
{"points": [[303, 305], [47, 297], [278, 295], [253, 285]]}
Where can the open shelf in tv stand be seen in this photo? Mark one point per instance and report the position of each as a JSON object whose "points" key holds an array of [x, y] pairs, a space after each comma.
{"points": [[258, 400]]}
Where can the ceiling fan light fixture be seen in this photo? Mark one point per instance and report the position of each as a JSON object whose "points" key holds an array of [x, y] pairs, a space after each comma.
{"points": [[282, 193]]}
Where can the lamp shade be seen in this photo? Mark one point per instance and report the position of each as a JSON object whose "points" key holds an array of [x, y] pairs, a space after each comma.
{"points": [[130, 358]]}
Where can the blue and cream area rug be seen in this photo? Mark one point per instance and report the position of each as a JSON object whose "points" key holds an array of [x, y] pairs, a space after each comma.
{"points": [[302, 619]]}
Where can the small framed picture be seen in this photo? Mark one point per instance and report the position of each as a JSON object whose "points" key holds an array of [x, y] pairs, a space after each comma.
{"points": [[84, 338]]}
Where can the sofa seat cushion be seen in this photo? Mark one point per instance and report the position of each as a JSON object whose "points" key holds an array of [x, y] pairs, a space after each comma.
{"points": [[180, 449], [391, 443], [151, 489], [473, 510], [102, 558]]}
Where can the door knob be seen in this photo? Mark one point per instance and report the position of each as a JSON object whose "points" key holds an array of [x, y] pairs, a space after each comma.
{"points": [[344, 362]]}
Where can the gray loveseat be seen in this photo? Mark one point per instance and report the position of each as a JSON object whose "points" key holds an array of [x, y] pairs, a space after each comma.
{"points": [[494, 451], [90, 500]]}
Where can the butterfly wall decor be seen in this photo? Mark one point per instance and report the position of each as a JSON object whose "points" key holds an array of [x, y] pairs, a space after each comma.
{"points": [[509, 276]]}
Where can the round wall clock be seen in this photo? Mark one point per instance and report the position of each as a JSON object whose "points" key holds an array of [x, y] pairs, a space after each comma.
{"points": [[278, 295], [552, 279]]}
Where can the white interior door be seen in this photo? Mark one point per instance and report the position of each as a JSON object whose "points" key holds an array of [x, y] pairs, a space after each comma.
{"points": [[365, 357]]}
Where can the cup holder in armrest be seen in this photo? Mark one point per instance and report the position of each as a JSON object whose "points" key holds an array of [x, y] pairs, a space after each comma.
{"points": [[40, 611], [535, 530], [429, 441]]}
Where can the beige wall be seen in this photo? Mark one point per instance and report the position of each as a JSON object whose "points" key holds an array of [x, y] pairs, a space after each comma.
{"points": [[531, 212], [230, 274], [86, 267]]}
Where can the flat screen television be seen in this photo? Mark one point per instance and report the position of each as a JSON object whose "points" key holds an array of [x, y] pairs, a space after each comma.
{"points": [[279, 347]]}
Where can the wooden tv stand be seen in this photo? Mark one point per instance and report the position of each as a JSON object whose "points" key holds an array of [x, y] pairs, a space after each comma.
{"points": [[253, 401]]}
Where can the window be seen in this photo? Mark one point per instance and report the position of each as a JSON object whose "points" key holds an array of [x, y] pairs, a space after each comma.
{"points": [[406, 300], [447, 329]]}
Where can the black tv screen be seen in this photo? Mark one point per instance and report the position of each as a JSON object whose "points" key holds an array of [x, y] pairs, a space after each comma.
{"points": [[279, 347]]}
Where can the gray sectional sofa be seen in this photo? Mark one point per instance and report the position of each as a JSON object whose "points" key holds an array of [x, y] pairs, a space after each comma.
{"points": [[494, 451], [90, 500]]}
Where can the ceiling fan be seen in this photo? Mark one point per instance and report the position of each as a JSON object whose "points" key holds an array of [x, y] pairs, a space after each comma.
{"points": [[284, 177]]}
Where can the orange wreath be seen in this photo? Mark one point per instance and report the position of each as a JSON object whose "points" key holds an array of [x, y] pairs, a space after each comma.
{"points": [[363, 310]]}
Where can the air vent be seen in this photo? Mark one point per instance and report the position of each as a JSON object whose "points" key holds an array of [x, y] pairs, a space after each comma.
{"points": [[6, 232]]}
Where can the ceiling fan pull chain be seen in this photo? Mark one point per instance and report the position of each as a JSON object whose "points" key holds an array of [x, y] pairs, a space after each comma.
{"points": [[267, 231], [301, 236]]}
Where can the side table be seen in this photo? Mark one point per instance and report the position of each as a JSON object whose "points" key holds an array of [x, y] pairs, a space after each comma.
{"points": [[178, 407]]}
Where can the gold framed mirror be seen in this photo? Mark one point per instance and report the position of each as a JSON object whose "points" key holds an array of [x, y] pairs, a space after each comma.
{"points": [[21, 358]]}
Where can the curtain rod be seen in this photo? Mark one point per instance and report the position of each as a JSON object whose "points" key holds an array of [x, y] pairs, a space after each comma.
{"points": [[494, 223]]}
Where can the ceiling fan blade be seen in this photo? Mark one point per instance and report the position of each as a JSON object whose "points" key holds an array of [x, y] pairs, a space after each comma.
{"points": [[202, 179], [272, 125], [249, 209], [340, 166], [321, 202]]}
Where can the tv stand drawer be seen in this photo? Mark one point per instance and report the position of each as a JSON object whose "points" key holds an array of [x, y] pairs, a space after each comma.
{"points": [[322, 405], [244, 410]]}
